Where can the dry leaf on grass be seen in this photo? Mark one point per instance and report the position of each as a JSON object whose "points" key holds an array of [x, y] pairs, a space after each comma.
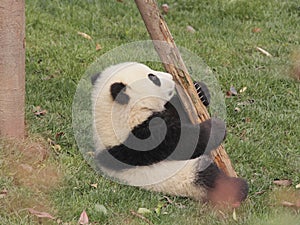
{"points": [[256, 30], [41, 214], [84, 35], [38, 111], [98, 47], [284, 183], [83, 219], [190, 29], [94, 185], [290, 204], [263, 51], [234, 215], [243, 89], [3, 193], [165, 8], [231, 92], [54, 146]]}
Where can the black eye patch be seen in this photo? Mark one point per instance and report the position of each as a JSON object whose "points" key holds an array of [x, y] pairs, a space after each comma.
{"points": [[117, 91], [154, 79]]}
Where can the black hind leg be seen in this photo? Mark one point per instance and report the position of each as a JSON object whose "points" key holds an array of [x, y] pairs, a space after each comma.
{"points": [[203, 92], [221, 189]]}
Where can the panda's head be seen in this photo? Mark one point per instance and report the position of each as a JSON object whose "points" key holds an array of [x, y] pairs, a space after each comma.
{"points": [[126, 94], [136, 85]]}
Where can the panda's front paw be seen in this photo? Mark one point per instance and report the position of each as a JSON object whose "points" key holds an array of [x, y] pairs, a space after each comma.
{"points": [[203, 92], [212, 134]]}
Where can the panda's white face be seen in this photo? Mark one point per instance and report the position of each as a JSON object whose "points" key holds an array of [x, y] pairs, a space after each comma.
{"points": [[125, 95], [139, 86]]}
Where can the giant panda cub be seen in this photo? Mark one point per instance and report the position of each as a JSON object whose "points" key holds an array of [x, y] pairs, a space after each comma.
{"points": [[143, 137]]}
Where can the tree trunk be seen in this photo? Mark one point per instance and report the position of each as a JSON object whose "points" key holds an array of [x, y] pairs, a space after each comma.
{"points": [[173, 63], [12, 68]]}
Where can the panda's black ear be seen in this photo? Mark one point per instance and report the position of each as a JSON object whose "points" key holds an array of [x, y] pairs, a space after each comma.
{"points": [[117, 91], [94, 78]]}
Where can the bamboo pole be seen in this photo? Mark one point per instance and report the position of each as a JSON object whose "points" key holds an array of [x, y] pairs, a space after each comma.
{"points": [[173, 63]]}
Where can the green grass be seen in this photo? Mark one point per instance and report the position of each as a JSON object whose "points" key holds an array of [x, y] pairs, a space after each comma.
{"points": [[263, 138]]}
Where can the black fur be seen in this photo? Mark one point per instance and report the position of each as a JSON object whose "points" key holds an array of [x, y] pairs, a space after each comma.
{"points": [[203, 92], [154, 79], [165, 136], [206, 177], [117, 91], [211, 177]]}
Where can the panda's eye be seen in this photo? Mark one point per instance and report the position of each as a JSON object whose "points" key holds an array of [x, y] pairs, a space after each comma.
{"points": [[154, 79]]}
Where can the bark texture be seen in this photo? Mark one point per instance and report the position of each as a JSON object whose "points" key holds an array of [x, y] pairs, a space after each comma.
{"points": [[12, 68]]}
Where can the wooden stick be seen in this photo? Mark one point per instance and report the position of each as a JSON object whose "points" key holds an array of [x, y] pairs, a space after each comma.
{"points": [[173, 63]]}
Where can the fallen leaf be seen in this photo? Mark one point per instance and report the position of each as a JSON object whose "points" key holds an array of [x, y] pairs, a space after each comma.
{"points": [[84, 35], [228, 94], [41, 214], [83, 219], [59, 134], [233, 91], [190, 29], [98, 47], [3, 193], [50, 142], [263, 51], [143, 211], [259, 192], [284, 183], [56, 148], [286, 203], [234, 215], [168, 200], [290, 204], [243, 89], [237, 109], [94, 185], [165, 8], [38, 111], [256, 30]]}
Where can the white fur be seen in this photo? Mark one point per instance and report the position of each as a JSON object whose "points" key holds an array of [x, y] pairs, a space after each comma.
{"points": [[171, 177]]}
